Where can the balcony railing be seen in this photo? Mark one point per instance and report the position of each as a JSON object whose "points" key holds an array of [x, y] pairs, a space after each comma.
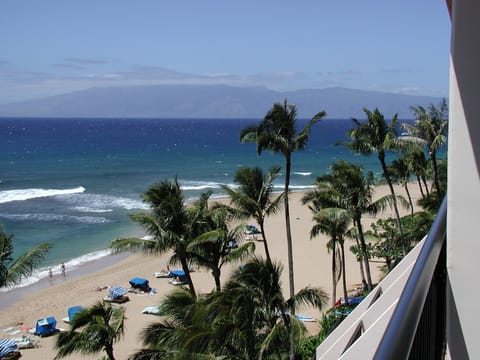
{"points": [[417, 327], [404, 315]]}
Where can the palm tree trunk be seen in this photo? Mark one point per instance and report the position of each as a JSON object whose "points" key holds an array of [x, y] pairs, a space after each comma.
{"points": [[392, 191], [425, 184], [436, 181], [334, 278], [420, 186], [344, 274], [364, 255], [265, 246], [289, 233], [186, 270], [216, 276], [360, 261], [290, 252], [109, 351], [409, 198]]}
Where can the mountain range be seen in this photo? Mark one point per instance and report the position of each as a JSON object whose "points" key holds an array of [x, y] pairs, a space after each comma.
{"points": [[212, 101]]}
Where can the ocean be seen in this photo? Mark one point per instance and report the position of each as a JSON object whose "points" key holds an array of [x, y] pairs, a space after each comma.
{"points": [[73, 182]]}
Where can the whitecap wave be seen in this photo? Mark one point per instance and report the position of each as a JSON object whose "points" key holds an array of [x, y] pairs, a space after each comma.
{"points": [[295, 187], [47, 217], [70, 265], [100, 203], [28, 194], [90, 209], [301, 187], [199, 185], [302, 173]]}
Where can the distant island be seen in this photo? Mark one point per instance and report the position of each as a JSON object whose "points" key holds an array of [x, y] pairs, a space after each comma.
{"points": [[211, 101]]}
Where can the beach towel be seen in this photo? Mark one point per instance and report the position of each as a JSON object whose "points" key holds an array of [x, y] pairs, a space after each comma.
{"points": [[7, 346]]}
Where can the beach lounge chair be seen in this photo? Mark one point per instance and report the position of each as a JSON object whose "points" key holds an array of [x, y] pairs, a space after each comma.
{"points": [[117, 295], [24, 342], [71, 312], [139, 284], [163, 274], [9, 350], [251, 231], [178, 278], [46, 326]]}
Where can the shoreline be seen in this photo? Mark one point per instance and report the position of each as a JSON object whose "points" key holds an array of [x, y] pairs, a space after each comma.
{"points": [[10, 297], [312, 268]]}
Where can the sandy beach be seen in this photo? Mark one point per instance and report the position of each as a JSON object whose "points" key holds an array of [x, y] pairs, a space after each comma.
{"points": [[312, 267]]}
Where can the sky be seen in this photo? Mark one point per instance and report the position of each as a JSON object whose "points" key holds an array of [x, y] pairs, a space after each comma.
{"points": [[53, 47]]}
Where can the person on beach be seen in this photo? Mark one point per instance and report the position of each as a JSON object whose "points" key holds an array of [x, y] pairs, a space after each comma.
{"points": [[50, 273], [63, 269]]}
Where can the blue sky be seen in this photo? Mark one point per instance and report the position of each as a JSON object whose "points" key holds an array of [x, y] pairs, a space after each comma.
{"points": [[56, 46]]}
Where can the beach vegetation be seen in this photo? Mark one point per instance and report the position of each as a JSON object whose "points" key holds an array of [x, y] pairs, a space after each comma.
{"points": [[418, 165], [347, 187], [170, 225], [385, 244], [376, 135], [13, 270], [254, 197], [247, 319], [220, 245], [92, 330], [429, 130], [401, 173], [333, 222]]}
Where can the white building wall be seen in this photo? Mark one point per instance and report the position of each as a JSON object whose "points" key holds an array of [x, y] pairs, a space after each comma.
{"points": [[463, 218]]}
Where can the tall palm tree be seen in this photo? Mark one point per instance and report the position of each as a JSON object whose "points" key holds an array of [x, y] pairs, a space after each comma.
{"points": [[92, 330], [335, 223], [169, 224], [254, 197], [219, 246], [12, 271], [376, 136], [277, 133], [430, 129], [347, 187]]}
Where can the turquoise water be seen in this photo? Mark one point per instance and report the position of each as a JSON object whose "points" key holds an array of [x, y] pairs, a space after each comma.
{"points": [[73, 182]]}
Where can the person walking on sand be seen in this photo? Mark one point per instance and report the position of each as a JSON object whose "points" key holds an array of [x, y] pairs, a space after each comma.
{"points": [[63, 269]]}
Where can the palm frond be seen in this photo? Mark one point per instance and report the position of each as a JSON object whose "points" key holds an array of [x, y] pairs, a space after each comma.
{"points": [[24, 265], [311, 296]]}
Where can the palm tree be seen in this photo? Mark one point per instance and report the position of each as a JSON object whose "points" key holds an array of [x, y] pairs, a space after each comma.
{"points": [[430, 129], [253, 198], [12, 271], [170, 225], [246, 320], [418, 165], [277, 133], [333, 222], [401, 172], [347, 187], [92, 330], [258, 286], [376, 136], [219, 246]]}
